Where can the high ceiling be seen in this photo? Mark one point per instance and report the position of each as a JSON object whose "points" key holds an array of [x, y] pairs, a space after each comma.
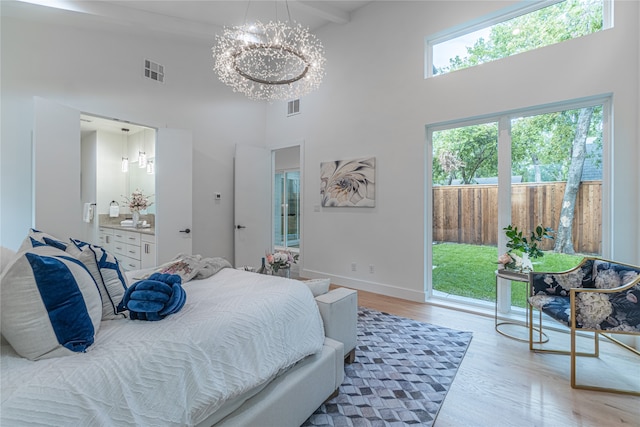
{"points": [[198, 20], [193, 19]]}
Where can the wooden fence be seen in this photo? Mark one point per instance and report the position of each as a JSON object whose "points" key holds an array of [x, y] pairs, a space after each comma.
{"points": [[469, 213]]}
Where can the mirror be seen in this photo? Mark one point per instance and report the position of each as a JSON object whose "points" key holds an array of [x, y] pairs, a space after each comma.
{"points": [[110, 142]]}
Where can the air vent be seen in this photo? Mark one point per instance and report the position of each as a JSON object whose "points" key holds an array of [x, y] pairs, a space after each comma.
{"points": [[293, 107], [154, 71]]}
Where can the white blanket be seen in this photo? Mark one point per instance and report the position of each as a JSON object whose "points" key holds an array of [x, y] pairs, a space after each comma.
{"points": [[236, 331]]}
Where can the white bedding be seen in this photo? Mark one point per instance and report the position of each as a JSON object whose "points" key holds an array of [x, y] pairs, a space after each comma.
{"points": [[236, 331]]}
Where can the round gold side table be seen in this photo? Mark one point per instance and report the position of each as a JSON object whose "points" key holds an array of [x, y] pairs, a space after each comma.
{"points": [[516, 276]]}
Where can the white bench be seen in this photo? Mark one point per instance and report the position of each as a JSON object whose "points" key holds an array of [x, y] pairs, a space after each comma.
{"points": [[339, 311]]}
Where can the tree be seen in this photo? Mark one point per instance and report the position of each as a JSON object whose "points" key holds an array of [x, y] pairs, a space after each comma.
{"points": [[465, 153], [552, 24], [564, 241]]}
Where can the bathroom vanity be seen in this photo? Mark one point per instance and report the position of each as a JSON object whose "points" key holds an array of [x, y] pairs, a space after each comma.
{"points": [[135, 248]]}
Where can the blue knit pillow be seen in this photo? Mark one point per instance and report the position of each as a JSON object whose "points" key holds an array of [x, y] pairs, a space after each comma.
{"points": [[50, 304], [154, 298]]}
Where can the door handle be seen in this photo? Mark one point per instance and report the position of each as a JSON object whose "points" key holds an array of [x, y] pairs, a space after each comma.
{"points": [[186, 230], [240, 227]]}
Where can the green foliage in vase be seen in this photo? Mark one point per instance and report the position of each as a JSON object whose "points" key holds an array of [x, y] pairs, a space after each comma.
{"points": [[529, 245]]}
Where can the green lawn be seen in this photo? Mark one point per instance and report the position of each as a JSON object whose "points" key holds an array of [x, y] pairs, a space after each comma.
{"points": [[469, 270]]}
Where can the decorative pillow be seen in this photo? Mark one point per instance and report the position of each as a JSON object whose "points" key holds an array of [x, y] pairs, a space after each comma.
{"points": [[183, 266], [40, 238], [106, 271], [6, 256], [154, 298], [50, 304], [318, 286]]}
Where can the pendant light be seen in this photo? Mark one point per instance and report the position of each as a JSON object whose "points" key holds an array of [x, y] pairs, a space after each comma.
{"points": [[142, 155], [125, 159]]}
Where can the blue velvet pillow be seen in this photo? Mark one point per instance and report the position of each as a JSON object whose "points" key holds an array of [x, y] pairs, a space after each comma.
{"points": [[50, 304]]}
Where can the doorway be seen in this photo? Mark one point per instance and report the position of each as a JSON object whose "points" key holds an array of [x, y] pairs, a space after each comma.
{"points": [[286, 201], [516, 168], [259, 225], [57, 130], [286, 209]]}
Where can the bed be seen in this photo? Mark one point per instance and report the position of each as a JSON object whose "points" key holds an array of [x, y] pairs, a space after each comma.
{"points": [[245, 349]]}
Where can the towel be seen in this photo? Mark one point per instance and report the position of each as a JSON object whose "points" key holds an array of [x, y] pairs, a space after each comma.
{"points": [[87, 212], [114, 210]]}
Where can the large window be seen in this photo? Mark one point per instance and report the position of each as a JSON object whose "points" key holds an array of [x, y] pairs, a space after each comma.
{"points": [[532, 25], [540, 168]]}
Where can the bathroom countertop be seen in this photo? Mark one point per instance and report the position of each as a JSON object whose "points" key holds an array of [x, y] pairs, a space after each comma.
{"points": [[148, 230]]}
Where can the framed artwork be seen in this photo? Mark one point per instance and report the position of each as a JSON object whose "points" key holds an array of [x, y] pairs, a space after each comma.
{"points": [[348, 183]]}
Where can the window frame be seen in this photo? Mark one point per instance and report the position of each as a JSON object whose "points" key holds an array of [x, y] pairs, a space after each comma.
{"points": [[498, 17], [504, 172]]}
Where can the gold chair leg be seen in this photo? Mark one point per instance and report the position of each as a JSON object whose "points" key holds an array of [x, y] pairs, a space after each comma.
{"points": [[621, 344], [574, 354], [555, 351]]}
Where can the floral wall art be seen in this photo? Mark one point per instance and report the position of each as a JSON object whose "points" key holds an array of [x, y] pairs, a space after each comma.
{"points": [[348, 183]]}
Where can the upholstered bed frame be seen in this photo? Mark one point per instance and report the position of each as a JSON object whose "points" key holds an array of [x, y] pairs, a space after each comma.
{"points": [[248, 349], [292, 397]]}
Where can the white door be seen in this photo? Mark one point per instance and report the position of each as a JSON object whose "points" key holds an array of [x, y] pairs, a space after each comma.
{"points": [[57, 208], [252, 194], [174, 213]]}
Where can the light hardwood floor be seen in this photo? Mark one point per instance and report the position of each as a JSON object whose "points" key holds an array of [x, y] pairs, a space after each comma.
{"points": [[501, 383]]}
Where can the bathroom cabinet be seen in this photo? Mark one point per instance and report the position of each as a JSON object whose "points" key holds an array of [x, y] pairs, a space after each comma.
{"points": [[134, 249]]}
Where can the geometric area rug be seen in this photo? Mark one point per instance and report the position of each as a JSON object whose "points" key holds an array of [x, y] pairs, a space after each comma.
{"points": [[401, 375]]}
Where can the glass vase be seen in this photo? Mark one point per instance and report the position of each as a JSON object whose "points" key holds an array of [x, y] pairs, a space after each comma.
{"points": [[284, 272], [136, 218]]}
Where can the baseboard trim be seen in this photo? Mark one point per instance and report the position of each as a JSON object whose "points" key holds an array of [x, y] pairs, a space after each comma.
{"points": [[365, 285]]}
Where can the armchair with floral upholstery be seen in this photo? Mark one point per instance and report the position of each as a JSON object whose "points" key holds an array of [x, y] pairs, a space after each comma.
{"points": [[598, 296]]}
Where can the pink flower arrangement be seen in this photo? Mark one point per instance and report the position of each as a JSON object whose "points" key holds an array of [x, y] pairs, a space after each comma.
{"points": [[281, 259], [138, 201], [505, 259]]}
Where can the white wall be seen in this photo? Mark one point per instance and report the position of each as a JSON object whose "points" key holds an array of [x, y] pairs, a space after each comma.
{"points": [[375, 102], [287, 158], [100, 73]]}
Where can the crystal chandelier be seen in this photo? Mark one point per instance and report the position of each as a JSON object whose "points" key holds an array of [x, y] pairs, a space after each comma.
{"points": [[273, 61]]}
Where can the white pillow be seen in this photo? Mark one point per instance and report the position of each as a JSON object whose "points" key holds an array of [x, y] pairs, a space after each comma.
{"points": [[40, 238], [106, 271], [6, 256], [50, 304], [318, 286], [184, 266]]}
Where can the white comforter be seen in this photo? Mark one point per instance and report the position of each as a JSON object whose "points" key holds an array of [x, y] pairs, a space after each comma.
{"points": [[236, 331]]}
